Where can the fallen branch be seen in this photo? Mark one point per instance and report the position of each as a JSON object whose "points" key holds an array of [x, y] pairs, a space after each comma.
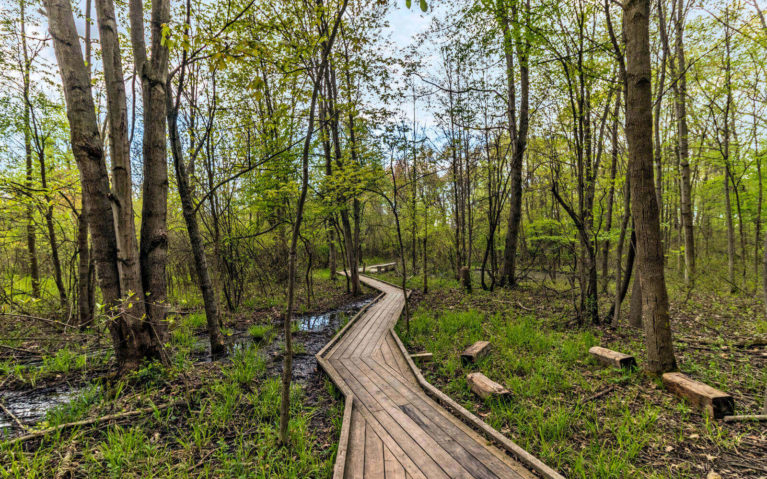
{"points": [[37, 318], [21, 350], [13, 416], [88, 422], [601, 393], [746, 417]]}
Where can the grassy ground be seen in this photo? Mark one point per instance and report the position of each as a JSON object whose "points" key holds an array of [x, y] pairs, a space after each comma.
{"points": [[224, 418], [592, 422]]}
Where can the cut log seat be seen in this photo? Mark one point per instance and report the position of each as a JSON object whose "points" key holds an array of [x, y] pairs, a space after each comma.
{"points": [[475, 352], [711, 401], [485, 387], [613, 358]]}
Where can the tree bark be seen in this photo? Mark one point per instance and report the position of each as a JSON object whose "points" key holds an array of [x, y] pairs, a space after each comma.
{"points": [[518, 138], [684, 154], [192, 227], [122, 183], [132, 337], [657, 328], [153, 72], [34, 269], [51, 229]]}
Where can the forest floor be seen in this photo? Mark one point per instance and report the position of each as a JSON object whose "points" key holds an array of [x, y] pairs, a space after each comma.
{"points": [[585, 420], [202, 418]]}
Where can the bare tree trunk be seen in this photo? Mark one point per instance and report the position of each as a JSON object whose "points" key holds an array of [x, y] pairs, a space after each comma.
{"points": [[51, 230], [122, 183], [34, 269], [195, 237], [84, 310], [153, 72], [133, 337], [287, 363], [684, 154], [611, 197], [657, 328], [518, 137]]}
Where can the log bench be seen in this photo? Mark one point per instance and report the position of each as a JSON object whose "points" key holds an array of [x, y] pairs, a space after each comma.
{"points": [[485, 387], [475, 351], [711, 401], [613, 358]]}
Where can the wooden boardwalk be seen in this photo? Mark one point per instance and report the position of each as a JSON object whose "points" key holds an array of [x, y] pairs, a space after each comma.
{"points": [[392, 428]]}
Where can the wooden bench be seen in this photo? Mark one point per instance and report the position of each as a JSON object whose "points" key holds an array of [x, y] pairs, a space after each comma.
{"points": [[485, 387], [713, 402], [613, 358], [475, 351]]}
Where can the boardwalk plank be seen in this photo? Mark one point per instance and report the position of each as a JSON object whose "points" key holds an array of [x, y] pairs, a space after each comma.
{"points": [[396, 430], [374, 455], [393, 468]]}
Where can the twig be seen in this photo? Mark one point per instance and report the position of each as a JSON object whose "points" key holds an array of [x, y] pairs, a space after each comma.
{"points": [[13, 416], [38, 318], [746, 417], [601, 393], [526, 309], [21, 350], [87, 422]]}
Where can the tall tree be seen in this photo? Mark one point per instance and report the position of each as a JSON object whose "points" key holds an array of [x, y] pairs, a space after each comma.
{"points": [[515, 42], [657, 327]]}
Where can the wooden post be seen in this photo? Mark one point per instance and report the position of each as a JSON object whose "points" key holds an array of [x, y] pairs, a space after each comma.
{"points": [[713, 402], [475, 352], [613, 358], [485, 387]]}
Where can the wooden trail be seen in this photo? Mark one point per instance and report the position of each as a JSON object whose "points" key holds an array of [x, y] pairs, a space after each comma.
{"points": [[392, 428]]}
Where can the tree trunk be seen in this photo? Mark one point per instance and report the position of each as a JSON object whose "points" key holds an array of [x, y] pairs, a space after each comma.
{"points": [[153, 72], [611, 194], [195, 237], [34, 270], [518, 137], [657, 328], [84, 310], [51, 230], [132, 337], [684, 154], [122, 183], [287, 363]]}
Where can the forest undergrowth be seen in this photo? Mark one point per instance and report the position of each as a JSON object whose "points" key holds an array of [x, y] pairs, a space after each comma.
{"points": [[593, 422], [199, 416]]}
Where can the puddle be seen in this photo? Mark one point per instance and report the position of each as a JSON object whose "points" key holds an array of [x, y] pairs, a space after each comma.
{"points": [[30, 406], [314, 331], [316, 323]]}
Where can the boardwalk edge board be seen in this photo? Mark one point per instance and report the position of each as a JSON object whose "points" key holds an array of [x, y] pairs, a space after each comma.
{"points": [[470, 419], [343, 440]]}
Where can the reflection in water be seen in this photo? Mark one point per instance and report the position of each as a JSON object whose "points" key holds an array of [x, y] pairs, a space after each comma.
{"points": [[31, 406]]}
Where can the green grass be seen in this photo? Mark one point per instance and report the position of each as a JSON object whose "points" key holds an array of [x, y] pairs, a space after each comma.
{"points": [[260, 332], [229, 428], [551, 377]]}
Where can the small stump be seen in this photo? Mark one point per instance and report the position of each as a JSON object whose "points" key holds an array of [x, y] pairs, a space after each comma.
{"points": [[485, 387], [465, 274], [713, 402], [613, 358], [475, 352]]}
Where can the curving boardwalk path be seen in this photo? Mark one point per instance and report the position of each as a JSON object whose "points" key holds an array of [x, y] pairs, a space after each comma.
{"points": [[392, 428]]}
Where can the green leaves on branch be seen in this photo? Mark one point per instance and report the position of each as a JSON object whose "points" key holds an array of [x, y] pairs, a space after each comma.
{"points": [[422, 3]]}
